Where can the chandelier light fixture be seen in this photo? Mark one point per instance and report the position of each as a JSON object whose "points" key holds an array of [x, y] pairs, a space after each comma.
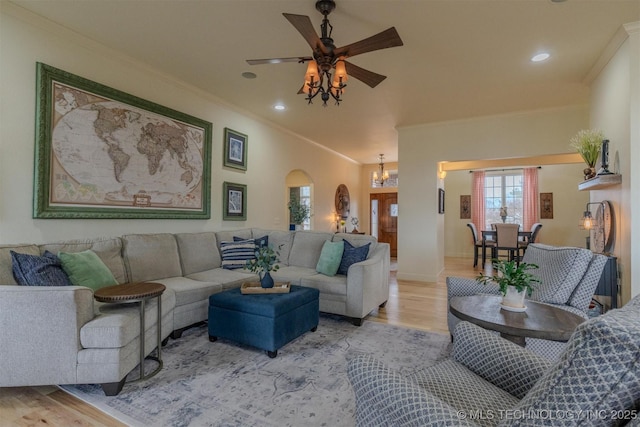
{"points": [[381, 175], [318, 80], [328, 66]]}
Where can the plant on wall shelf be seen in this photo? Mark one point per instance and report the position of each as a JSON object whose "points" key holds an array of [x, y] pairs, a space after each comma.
{"points": [[588, 143]]}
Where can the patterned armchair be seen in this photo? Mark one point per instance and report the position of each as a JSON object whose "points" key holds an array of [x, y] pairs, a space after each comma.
{"points": [[489, 381], [569, 278]]}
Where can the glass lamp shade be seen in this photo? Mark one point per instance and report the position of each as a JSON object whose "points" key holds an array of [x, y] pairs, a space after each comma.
{"points": [[341, 72], [587, 221], [312, 71]]}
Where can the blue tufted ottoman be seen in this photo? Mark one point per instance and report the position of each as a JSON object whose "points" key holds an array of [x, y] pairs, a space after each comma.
{"points": [[265, 321]]}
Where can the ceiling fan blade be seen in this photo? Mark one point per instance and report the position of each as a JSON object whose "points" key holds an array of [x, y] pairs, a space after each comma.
{"points": [[279, 60], [305, 27], [387, 38], [365, 76]]}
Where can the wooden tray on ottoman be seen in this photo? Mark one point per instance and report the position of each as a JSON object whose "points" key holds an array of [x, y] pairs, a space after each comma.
{"points": [[256, 288]]}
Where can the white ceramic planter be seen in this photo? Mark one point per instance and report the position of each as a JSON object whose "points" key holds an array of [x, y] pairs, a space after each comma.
{"points": [[513, 298]]}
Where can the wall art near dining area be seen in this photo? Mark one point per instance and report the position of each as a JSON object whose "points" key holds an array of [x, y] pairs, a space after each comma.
{"points": [[546, 205], [103, 153], [465, 206]]}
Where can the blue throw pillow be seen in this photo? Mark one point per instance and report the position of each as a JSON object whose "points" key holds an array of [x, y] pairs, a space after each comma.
{"points": [[33, 270], [235, 254], [351, 255], [260, 241]]}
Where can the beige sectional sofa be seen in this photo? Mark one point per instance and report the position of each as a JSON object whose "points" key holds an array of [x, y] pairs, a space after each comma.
{"points": [[61, 335]]}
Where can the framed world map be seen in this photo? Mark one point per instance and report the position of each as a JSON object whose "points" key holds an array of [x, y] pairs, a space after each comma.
{"points": [[102, 153]]}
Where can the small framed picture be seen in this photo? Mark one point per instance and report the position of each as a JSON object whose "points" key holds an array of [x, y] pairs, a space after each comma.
{"points": [[465, 206], [440, 201], [235, 202], [235, 149], [546, 205]]}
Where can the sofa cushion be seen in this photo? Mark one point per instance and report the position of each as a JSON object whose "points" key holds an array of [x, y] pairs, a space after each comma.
{"points": [[87, 269], [279, 241], [330, 258], [352, 255], [116, 325], [6, 262], [227, 278], [306, 248], [151, 256], [293, 274], [336, 285], [33, 270], [188, 291], [109, 249], [236, 254], [560, 270], [198, 252]]}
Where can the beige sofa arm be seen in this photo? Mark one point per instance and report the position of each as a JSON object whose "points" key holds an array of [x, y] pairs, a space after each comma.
{"points": [[368, 282], [40, 333]]}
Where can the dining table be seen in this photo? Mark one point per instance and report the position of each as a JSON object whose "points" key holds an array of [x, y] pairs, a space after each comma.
{"points": [[490, 235]]}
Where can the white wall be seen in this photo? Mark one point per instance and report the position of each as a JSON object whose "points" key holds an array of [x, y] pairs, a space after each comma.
{"points": [[26, 39], [562, 230], [421, 231], [615, 109]]}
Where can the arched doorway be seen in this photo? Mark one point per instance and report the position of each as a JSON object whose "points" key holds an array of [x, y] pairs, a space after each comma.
{"points": [[299, 188]]}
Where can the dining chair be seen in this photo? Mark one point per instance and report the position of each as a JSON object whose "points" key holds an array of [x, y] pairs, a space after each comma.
{"points": [[507, 240], [477, 242], [524, 244]]}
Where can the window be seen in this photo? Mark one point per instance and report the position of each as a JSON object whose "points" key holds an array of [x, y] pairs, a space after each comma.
{"points": [[302, 194], [392, 181], [503, 190]]}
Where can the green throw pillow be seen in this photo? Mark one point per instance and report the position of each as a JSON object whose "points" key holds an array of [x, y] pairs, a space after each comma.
{"points": [[86, 269], [330, 258]]}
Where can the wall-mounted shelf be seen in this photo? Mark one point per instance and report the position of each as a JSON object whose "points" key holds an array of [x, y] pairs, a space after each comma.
{"points": [[601, 181]]}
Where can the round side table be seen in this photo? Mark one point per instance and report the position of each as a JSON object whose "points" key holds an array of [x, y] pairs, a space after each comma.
{"points": [[137, 293]]}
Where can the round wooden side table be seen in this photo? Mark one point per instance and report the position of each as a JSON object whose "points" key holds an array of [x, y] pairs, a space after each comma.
{"points": [[137, 293], [540, 320]]}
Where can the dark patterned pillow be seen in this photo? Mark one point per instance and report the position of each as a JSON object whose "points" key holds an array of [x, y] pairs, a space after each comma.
{"points": [[260, 241], [33, 270], [351, 255], [235, 254]]}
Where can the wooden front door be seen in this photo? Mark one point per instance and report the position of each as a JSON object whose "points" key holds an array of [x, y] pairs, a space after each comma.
{"points": [[387, 219]]}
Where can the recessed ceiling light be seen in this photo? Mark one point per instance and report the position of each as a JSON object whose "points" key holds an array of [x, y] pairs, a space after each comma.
{"points": [[249, 75], [279, 107], [540, 57]]}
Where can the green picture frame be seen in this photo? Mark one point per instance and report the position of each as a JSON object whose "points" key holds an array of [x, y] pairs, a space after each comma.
{"points": [[235, 149], [234, 201], [105, 154]]}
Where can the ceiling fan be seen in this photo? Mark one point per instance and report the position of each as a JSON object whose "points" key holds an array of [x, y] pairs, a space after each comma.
{"points": [[327, 57]]}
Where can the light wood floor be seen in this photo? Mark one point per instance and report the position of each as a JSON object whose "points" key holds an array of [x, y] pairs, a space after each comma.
{"points": [[416, 305]]}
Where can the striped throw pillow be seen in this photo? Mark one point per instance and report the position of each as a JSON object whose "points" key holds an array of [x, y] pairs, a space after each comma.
{"points": [[236, 254]]}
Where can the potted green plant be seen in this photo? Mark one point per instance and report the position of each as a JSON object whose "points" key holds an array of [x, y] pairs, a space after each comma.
{"points": [[513, 280], [263, 264], [588, 143], [299, 212]]}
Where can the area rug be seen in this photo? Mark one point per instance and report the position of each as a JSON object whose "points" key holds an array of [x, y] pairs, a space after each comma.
{"points": [[226, 384]]}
